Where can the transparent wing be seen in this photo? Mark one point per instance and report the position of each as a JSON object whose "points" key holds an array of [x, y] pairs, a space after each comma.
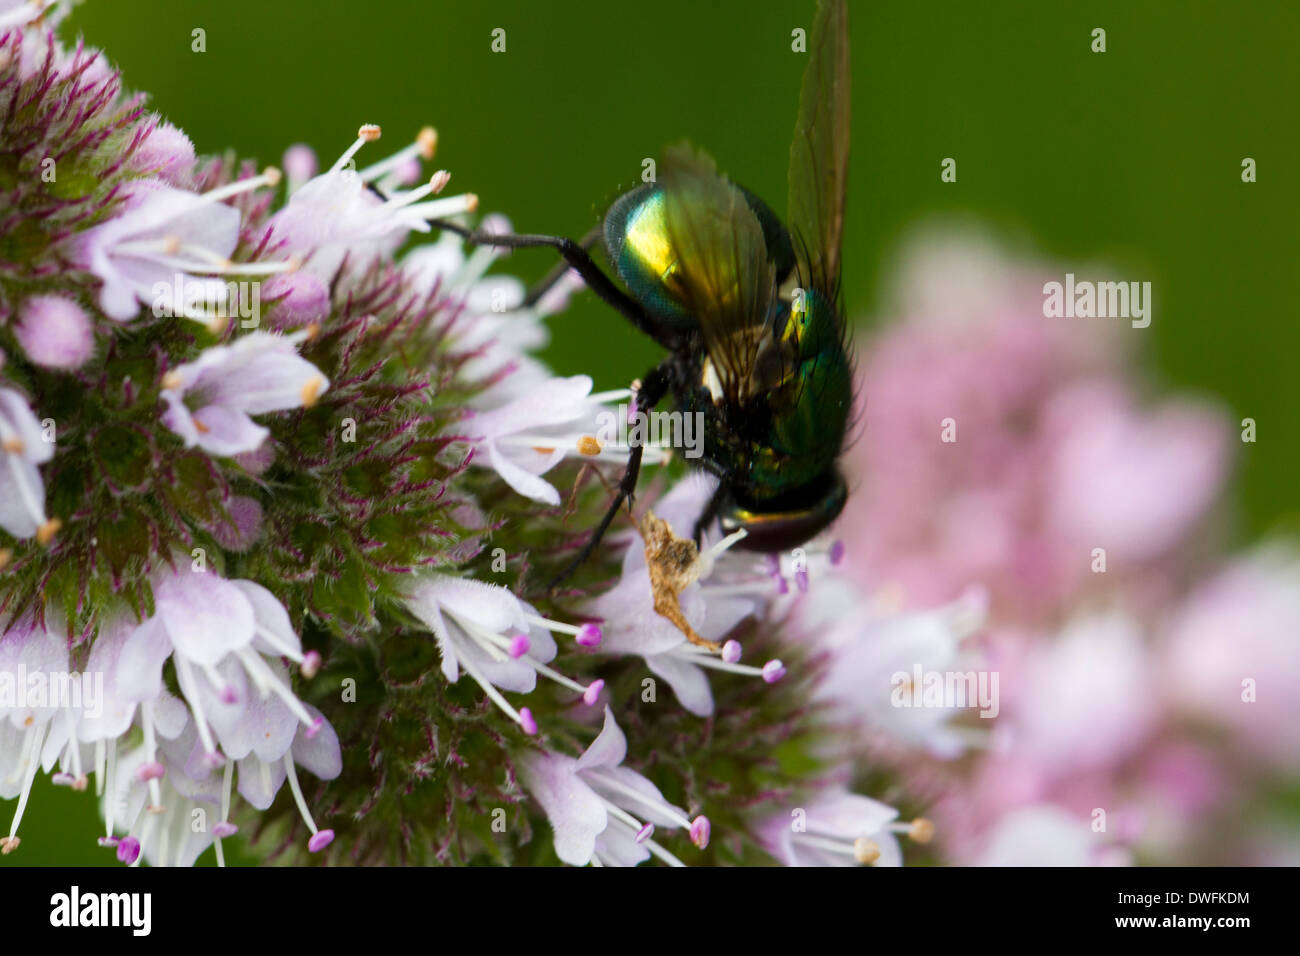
{"points": [[723, 274], [819, 154]]}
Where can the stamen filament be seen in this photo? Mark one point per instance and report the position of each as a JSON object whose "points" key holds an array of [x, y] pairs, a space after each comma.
{"points": [[266, 680], [639, 797], [618, 812], [424, 145], [110, 811], [268, 177], [151, 749], [228, 776], [493, 694], [32, 755], [31, 501], [200, 717], [99, 767], [366, 134], [292, 773]]}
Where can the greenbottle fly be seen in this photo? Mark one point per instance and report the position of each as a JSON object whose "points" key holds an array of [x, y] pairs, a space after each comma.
{"points": [[748, 310]]}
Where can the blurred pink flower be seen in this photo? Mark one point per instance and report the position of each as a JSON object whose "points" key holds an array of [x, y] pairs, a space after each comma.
{"points": [[1084, 701], [1233, 654], [1001, 448]]}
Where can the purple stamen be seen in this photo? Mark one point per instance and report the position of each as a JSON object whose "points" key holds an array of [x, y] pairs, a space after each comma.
{"points": [[527, 722], [128, 851], [224, 829], [773, 671], [310, 664], [801, 579], [645, 833], [314, 728], [837, 552], [701, 829], [519, 646], [150, 771], [320, 840], [592, 693], [589, 635], [731, 651]]}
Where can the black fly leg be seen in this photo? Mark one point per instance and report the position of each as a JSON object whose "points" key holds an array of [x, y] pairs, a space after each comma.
{"points": [[580, 260], [652, 389], [548, 281], [710, 512]]}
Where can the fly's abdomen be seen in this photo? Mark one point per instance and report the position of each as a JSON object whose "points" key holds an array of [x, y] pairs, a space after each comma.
{"points": [[810, 405]]}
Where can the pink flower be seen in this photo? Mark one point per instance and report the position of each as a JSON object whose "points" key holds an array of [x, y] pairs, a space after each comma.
{"points": [[336, 214], [1233, 655], [730, 588], [22, 448], [162, 232], [218, 635], [498, 640], [1084, 700], [1045, 836], [836, 828], [209, 400], [1007, 449], [1130, 481], [600, 810], [872, 650], [999, 447], [530, 435]]}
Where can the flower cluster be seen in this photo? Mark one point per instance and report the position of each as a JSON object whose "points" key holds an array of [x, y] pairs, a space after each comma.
{"points": [[280, 492], [1144, 713]]}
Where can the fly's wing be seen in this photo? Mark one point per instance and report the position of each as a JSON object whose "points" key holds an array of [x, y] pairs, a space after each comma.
{"points": [[722, 274], [819, 155]]}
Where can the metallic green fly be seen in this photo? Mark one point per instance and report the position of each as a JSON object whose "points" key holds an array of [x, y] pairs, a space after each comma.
{"points": [[748, 310]]}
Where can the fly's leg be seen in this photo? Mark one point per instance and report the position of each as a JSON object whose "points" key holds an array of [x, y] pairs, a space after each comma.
{"points": [[548, 281], [709, 513], [587, 470], [580, 260], [652, 389]]}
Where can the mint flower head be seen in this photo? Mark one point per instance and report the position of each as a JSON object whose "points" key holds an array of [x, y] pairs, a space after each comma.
{"points": [[283, 478]]}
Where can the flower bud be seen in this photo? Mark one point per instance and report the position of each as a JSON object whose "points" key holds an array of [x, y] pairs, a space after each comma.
{"points": [[296, 299], [166, 153], [55, 332]]}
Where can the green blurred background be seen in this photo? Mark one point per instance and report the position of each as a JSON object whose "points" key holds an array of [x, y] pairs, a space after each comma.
{"points": [[1132, 156]]}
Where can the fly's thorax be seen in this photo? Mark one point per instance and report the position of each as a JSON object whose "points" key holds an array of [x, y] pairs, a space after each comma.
{"points": [[639, 247]]}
